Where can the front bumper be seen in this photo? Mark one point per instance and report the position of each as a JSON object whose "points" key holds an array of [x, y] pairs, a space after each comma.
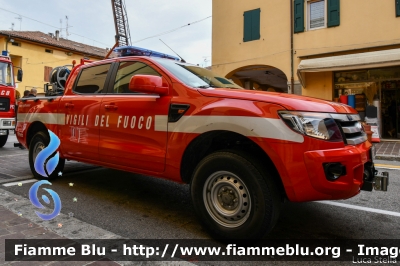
{"points": [[360, 172], [7, 123]]}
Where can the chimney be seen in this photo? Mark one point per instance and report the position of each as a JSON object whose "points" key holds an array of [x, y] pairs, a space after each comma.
{"points": [[51, 34], [57, 35]]}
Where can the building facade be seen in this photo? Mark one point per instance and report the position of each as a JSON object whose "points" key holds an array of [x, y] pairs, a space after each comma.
{"points": [[37, 53], [339, 50]]}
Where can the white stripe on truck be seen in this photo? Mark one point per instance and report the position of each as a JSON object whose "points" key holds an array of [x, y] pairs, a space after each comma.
{"points": [[45, 118], [244, 125]]}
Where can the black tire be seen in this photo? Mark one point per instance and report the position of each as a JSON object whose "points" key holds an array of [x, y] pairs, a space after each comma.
{"points": [[3, 139], [232, 198], [39, 141]]}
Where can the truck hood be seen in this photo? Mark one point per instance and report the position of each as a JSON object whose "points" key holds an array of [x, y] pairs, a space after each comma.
{"points": [[288, 101]]}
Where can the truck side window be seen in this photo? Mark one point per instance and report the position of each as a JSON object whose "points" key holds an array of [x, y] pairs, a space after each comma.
{"points": [[92, 79], [126, 71]]}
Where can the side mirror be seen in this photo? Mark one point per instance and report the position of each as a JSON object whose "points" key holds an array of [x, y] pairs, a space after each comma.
{"points": [[19, 75], [148, 84]]}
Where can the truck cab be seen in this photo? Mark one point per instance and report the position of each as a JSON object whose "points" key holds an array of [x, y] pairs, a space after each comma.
{"points": [[7, 97]]}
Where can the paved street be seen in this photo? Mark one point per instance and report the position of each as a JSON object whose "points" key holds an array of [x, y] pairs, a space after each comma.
{"points": [[105, 203]]}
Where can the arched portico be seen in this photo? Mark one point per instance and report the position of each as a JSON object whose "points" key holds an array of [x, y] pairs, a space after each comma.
{"points": [[260, 77]]}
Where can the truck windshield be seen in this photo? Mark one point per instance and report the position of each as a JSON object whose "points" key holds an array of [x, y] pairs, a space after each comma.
{"points": [[6, 77], [195, 76]]}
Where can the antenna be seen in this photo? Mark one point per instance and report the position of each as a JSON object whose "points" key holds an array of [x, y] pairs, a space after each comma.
{"points": [[61, 28], [182, 60], [66, 28], [20, 21]]}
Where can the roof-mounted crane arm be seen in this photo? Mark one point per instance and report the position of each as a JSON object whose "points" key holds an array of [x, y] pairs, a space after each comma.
{"points": [[122, 36]]}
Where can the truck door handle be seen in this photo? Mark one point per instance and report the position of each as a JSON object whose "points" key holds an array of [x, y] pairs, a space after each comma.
{"points": [[110, 107], [69, 105]]}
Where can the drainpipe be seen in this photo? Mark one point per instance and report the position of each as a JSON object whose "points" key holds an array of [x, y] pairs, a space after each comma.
{"points": [[291, 47], [7, 41]]}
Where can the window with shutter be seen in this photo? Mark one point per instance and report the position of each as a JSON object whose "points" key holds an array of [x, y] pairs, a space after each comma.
{"points": [[323, 13], [397, 8], [298, 16], [333, 13], [251, 29]]}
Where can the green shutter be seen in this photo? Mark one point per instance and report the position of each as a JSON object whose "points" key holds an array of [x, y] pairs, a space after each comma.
{"points": [[251, 30], [255, 21], [397, 8], [333, 13], [247, 26], [299, 16]]}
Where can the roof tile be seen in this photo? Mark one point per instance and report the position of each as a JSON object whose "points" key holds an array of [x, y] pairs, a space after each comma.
{"points": [[43, 38]]}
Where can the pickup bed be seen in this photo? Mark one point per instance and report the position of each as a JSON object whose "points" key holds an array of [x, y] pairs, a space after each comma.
{"points": [[244, 152]]}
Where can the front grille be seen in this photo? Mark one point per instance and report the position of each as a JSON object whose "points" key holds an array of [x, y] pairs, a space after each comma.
{"points": [[351, 128], [4, 104]]}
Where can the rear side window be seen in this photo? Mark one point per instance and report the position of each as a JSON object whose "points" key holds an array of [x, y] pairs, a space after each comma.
{"points": [[126, 71], [92, 79]]}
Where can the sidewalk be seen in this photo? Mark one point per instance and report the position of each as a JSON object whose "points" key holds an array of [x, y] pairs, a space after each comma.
{"points": [[13, 226], [18, 220], [388, 150]]}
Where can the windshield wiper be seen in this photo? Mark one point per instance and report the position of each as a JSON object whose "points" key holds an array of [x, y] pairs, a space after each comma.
{"points": [[203, 86]]}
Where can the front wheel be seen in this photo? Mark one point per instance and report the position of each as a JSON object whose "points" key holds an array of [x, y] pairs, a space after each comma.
{"points": [[3, 139], [232, 197], [40, 141]]}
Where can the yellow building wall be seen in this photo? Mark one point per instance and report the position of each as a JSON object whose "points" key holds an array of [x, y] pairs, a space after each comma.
{"points": [[364, 24], [319, 85], [32, 58], [229, 52]]}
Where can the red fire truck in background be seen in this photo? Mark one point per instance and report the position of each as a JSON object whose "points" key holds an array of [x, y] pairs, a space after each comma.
{"points": [[7, 96]]}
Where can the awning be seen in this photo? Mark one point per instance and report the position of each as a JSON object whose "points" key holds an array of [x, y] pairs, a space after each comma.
{"points": [[376, 59]]}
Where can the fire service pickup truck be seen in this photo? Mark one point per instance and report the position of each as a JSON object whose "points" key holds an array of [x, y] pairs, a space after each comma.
{"points": [[243, 152], [7, 96]]}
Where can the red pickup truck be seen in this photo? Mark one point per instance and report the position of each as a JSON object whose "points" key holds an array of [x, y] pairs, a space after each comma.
{"points": [[244, 152]]}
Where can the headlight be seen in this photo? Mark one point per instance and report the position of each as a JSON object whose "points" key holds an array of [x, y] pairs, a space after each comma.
{"points": [[316, 125]]}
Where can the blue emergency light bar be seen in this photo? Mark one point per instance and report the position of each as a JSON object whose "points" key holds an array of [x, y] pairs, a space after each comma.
{"points": [[137, 51]]}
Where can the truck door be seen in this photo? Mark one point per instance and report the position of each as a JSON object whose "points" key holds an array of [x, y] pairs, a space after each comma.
{"points": [[80, 134], [129, 122]]}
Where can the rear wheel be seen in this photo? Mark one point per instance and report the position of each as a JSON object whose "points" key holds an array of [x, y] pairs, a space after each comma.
{"points": [[233, 198], [40, 141], [3, 139]]}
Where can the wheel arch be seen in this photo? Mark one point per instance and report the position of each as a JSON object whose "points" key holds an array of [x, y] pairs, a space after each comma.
{"points": [[213, 141], [33, 129]]}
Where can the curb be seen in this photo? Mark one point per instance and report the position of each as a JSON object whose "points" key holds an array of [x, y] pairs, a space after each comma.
{"points": [[387, 158]]}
